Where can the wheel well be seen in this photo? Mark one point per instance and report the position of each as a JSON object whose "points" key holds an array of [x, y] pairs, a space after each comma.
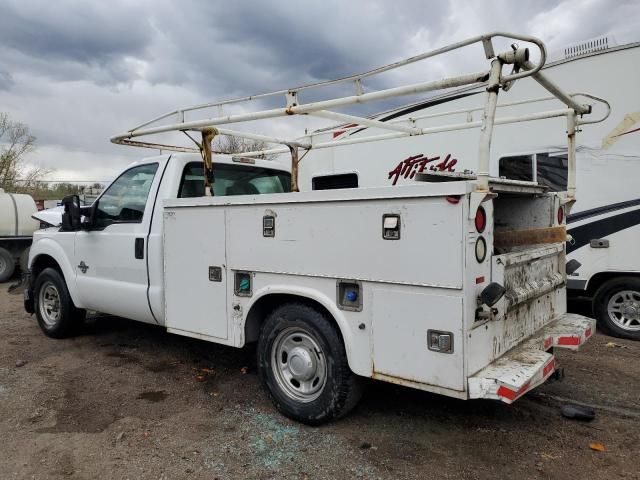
{"points": [[41, 262], [265, 305], [599, 279]]}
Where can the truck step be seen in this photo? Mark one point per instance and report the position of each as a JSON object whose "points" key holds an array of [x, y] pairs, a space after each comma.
{"points": [[532, 362]]}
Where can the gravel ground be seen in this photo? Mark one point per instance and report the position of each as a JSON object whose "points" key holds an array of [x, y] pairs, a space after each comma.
{"points": [[127, 400]]}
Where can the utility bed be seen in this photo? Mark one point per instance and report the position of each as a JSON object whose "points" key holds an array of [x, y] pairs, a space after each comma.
{"points": [[425, 280]]}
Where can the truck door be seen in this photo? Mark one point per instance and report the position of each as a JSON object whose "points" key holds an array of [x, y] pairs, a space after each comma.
{"points": [[110, 258]]}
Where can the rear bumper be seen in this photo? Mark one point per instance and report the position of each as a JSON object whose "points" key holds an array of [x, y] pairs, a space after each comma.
{"points": [[532, 362]]}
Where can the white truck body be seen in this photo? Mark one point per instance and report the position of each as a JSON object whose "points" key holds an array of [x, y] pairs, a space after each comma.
{"points": [[455, 284]]}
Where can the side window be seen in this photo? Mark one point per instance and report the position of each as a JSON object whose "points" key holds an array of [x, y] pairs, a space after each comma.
{"points": [[552, 170], [125, 199], [517, 167], [330, 182]]}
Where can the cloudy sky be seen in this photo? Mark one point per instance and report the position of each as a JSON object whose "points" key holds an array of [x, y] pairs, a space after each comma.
{"points": [[78, 72]]}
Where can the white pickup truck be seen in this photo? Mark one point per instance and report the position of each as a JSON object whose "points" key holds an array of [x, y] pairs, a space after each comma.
{"points": [[455, 284]]}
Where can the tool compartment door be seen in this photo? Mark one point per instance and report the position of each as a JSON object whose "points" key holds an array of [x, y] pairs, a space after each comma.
{"points": [[401, 322], [195, 290]]}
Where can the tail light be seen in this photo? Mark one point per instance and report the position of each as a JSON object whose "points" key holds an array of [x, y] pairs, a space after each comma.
{"points": [[560, 215], [481, 220], [481, 249]]}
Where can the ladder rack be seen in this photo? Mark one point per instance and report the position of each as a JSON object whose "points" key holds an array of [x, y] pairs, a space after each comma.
{"points": [[493, 78]]}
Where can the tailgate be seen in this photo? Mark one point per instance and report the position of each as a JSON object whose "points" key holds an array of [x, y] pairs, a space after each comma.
{"points": [[535, 294], [532, 362]]}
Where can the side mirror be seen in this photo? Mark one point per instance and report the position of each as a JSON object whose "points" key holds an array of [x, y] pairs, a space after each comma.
{"points": [[87, 214], [71, 215]]}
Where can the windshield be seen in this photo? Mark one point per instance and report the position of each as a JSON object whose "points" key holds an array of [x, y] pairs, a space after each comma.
{"points": [[233, 180]]}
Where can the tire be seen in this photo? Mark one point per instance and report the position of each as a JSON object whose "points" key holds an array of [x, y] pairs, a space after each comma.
{"points": [[7, 265], [319, 386], [616, 306], [57, 315]]}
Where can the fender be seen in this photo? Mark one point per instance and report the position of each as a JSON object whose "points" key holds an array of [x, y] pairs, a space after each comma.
{"points": [[356, 347], [50, 247]]}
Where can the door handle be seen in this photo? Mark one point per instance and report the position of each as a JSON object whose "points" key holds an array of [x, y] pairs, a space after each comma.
{"points": [[139, 248]]}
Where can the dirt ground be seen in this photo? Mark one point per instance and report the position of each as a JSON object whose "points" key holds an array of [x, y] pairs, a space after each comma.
{"points": [[126, 400]]}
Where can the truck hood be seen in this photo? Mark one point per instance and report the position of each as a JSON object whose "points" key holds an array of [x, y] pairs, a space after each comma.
{"points": [[51, 216]]}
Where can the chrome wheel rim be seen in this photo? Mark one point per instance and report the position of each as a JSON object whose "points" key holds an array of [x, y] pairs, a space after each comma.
{"points": [[49, 302], [299, 365], [624, 309]]}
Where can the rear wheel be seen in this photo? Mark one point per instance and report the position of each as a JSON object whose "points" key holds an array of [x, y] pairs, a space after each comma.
{"points": [[7, 265], [57, 315], [303, 364], [617, 307]]}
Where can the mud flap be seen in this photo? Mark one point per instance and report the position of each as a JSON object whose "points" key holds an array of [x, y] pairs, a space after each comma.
{"points": [[530, 364]]}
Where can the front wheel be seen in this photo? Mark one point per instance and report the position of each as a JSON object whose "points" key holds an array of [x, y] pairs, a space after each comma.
{"points": [[303, 365], [617, 307], [57, 315]]}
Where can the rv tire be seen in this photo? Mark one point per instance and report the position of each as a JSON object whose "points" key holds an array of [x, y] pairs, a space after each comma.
{"points": [[616, 306]]}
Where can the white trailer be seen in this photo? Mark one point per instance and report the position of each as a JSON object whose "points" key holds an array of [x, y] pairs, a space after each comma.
{"points": [[604, 224], [455, 284], [16, 230]]}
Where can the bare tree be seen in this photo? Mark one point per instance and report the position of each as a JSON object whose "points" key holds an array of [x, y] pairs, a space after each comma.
{"points": [[228, 144], [15, 142]]}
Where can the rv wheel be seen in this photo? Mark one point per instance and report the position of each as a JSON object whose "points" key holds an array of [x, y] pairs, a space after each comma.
{"points": [[57, 315], [617, 307], [303, 365]]}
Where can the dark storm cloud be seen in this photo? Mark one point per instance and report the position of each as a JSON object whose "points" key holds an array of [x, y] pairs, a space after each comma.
{"points": [[55, 38], [84, 32], [234, 46], [80, 71]]}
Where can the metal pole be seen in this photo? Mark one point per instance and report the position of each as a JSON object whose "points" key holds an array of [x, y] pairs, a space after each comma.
{"points": [[486, 130], [294, 168], [557, 92], [208, 134], [571, 155]]}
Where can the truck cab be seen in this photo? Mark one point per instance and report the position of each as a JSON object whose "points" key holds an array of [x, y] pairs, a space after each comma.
{"points": [[114, 263]]}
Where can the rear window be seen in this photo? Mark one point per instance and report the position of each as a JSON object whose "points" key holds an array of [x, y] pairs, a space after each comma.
{"points": [[233, 180]]}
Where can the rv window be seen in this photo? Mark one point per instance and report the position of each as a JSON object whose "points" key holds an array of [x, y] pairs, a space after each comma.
{"points": [[332, 182], [518, 167], [552, 171]]}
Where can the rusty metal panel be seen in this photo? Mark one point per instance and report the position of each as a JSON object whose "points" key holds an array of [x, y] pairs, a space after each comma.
{"points": [[531, 236]]}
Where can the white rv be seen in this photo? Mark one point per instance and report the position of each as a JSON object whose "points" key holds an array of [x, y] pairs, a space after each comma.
{"points": [[604, 222]]}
